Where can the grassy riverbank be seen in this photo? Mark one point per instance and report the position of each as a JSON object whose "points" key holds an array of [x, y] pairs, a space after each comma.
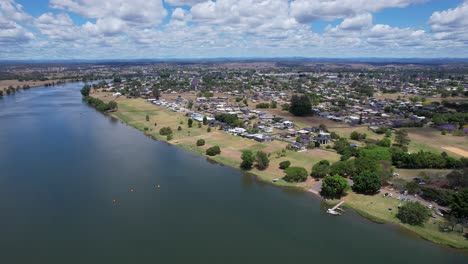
{"points": [[376, 208], [134, 111]]}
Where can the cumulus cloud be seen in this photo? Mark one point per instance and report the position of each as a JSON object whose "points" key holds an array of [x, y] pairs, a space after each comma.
{"points": [[183, 2], [451, 19], [11, 17], [11, 10], [143, 13], [357, 22], [306, 11], [451, 24], [208, 28]]}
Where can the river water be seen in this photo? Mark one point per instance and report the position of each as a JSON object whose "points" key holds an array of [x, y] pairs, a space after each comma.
{"points": [[77, 186]]}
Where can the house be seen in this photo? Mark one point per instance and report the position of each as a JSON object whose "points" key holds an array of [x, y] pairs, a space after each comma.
{"points": [[322, 138], [287, 124]]}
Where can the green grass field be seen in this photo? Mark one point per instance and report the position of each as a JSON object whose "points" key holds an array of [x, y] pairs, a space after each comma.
{"points": [[376, 208]]}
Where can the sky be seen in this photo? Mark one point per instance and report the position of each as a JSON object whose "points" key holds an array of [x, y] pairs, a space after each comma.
{"points": [[159, 29]]}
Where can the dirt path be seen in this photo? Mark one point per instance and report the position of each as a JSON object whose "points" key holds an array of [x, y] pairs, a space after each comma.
{"points": [[457, 151]]}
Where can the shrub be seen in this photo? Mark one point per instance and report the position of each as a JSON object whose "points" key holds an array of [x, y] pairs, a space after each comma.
{"points": [[200, 142], [169, 137], [284, 164], [165, 131], [190, 122], [179, 128], [413, 213], [262, 160], [295, 174], [147, 118], [262, 105], [213, 151], [208, 129]]}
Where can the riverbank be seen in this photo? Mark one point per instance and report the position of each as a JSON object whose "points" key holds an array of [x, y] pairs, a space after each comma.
{"points": [[4, 84], [134, 111]]}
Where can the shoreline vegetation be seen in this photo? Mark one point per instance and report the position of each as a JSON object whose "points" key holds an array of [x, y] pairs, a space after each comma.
{"points": [[150, 119]]}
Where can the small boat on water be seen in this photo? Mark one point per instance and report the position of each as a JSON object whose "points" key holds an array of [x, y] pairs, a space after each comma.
{"points": [[335, 209], [332, 212]]}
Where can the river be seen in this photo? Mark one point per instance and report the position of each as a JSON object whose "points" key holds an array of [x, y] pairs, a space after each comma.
{"points": [[77, 186]]}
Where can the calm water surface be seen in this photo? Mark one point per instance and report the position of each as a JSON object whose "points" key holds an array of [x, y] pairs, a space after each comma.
{"points": [[62, 165]]}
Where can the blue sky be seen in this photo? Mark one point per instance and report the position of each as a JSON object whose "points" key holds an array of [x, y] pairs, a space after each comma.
{"points": [[97, 29]]}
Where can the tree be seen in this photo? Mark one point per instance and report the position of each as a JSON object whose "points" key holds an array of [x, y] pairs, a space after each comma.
{"points": [[367, 182], [208, 129], [262, 160], [147, 118], [248, 159], [165, 131], [85, 90], [273, 104], [156, 93], [112, 105], [200, 142], [199, 125], [284, 164], [300, 105], [413, 213], [458, 178], [179, 128], [343, 168], [205, 120], [334, 186], [295, 174], [320, 169], [213, 151], [190, 122], [459, 204], [402, 138]]}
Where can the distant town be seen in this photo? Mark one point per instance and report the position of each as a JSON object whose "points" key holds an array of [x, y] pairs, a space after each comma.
{"points": [[389, 135]]}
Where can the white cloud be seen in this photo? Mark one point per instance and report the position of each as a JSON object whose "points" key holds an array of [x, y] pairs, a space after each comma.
{"points": [[357, 22], [11, 10], [451, 19], [310, 10], [142, 13], [451, 24], [183, 2], [11, 17]]}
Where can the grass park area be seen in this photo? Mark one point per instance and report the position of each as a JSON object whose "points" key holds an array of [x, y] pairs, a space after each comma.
{"points": [[429, 139], [134, 111], [376, 208]]}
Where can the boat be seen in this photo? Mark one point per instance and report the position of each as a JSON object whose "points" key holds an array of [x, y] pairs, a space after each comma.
{"points": [[332, 212]]}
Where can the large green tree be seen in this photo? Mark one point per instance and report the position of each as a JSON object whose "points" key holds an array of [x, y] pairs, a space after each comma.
{"points": [[248, 159], [320, 169], [334, 186], [300, 105], [413, 213], [402, 138], [367, 182], [459, 204]]}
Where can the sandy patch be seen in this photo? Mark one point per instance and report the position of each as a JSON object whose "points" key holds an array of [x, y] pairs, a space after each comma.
{"points": [[457, 151]]}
